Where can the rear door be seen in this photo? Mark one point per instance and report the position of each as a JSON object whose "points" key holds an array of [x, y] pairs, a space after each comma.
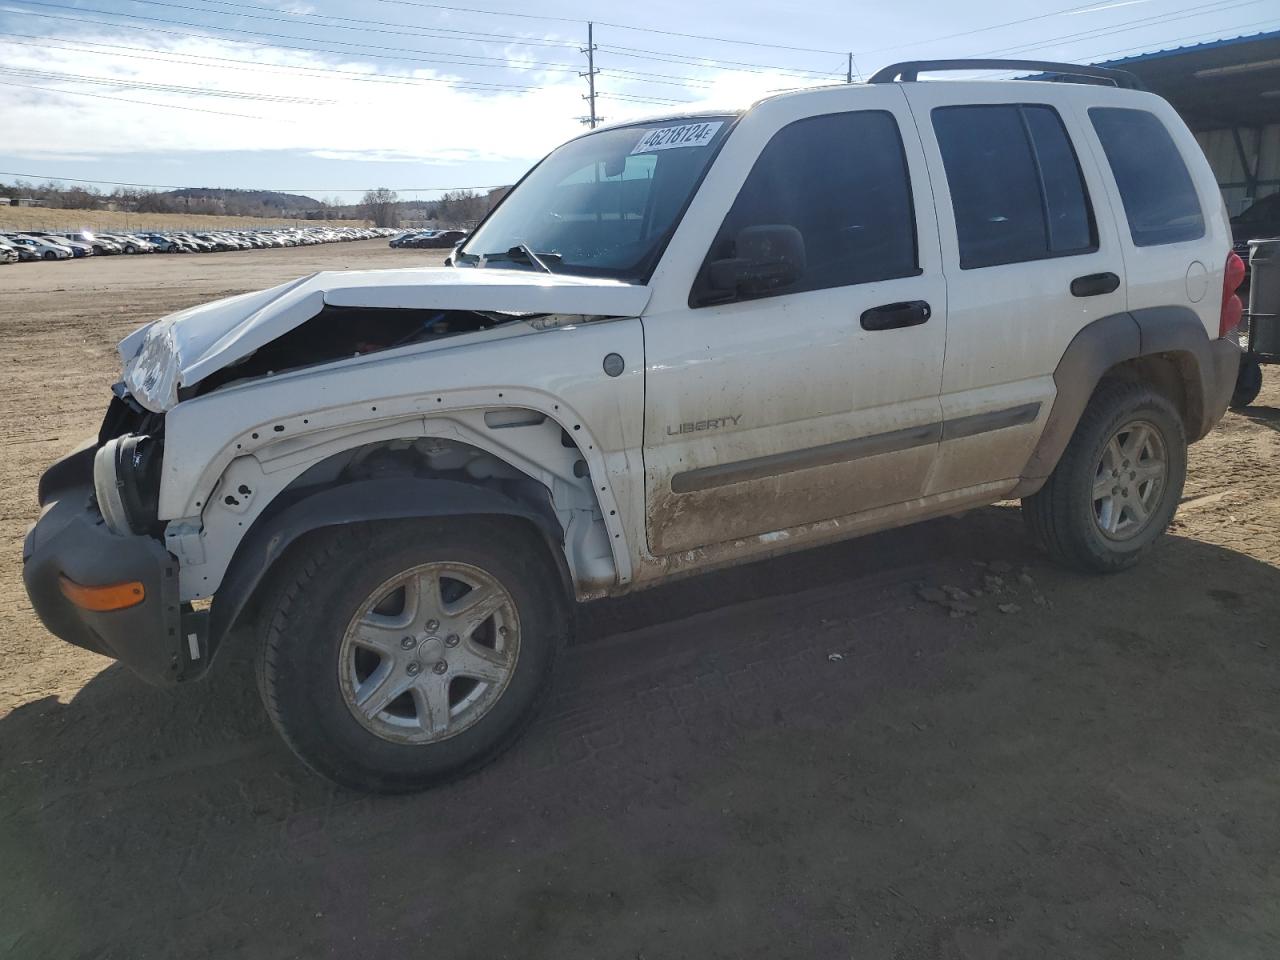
{"points": [[1031, 255], [819, 399]]}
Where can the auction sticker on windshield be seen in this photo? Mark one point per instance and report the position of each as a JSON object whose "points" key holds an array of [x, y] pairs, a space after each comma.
{"points": [[685, 135]]}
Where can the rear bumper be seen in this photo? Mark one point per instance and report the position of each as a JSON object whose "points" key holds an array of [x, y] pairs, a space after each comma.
{"points": [[159, 639], [1218, 380]]}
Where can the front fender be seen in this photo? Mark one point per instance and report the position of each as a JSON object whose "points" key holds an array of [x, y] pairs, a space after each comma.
{"points": [[361, 501]]}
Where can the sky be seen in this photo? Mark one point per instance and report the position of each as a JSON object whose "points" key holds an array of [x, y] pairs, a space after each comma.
{"points": [[332, 97]]}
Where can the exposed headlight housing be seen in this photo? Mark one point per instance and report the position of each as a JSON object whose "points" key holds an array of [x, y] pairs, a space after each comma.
{"points": [[126, 479], [151, 374]]}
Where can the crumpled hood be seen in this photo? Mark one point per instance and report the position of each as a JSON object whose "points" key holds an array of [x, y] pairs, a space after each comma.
{"points": [[185, 347]]}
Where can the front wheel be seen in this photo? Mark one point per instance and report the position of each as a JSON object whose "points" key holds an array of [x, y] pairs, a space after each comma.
{"points": [[50, 255], [1118, 484], [398, 656]]}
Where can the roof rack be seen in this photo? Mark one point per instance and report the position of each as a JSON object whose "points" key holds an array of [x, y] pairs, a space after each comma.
{"points": [[909, 70]]}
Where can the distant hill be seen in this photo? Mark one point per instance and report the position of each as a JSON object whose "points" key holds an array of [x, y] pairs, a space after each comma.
{"points": [[242, 199]]}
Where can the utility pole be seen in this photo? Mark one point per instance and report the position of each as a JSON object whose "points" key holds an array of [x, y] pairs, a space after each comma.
{"points": [[590, 51]]}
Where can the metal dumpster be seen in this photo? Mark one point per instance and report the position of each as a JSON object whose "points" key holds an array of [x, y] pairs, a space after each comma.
{"points": [[1262, 320]]}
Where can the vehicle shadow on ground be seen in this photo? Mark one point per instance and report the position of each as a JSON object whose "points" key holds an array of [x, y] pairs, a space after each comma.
{"points": [[1266, 416], [1083, 765]]}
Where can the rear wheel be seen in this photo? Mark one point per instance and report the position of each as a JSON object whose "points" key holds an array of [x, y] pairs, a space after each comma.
{"points": [[395, 657], [1117, 484]]}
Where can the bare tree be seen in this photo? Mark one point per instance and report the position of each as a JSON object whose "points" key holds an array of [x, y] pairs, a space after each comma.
{"points": [[380, 207]]}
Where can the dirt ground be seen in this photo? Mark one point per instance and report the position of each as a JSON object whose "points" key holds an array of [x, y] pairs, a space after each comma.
{"points": [[800, 758]]}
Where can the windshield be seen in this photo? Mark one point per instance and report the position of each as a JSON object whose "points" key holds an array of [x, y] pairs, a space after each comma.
{"points": [[602, 205]]}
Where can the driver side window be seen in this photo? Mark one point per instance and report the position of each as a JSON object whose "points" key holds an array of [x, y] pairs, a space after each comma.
{"points": [[839, 179]]}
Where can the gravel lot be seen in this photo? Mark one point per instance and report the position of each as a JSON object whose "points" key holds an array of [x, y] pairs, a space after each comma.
{"points": [[809, 757]]}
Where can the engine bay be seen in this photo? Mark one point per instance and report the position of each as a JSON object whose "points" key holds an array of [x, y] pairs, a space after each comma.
{"points": [[336, 333]]}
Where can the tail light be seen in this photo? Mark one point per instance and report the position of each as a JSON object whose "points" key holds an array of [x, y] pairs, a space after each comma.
{"points": [[1232, 308]]}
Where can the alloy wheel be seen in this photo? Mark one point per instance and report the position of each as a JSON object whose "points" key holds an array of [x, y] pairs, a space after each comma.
{"points": [[1130, 480], [429, 652]]}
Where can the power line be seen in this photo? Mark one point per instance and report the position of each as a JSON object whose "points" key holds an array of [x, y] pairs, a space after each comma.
{"points": [[616, 26], [1210, 35], [437, 57], [171, 186], [253, 66], [162, 87], [363, 22], [688, 82], [635, 53], [174, 88], [144, 103], [1125, 26], [365, 26], [325, 72], [432, 58], [703, 36], [993, 26], [631, 99], [488, 13]]}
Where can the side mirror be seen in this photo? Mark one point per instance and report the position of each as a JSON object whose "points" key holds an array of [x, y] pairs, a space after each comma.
{"points": [[769, 257]]}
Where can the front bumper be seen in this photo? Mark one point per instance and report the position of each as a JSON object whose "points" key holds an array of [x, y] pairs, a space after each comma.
{"points": [[160, 639]]}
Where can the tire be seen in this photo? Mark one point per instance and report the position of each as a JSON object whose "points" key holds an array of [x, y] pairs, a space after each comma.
{"points": [[50, 255], [314, 669], [1066, 519], [1248, 383]]}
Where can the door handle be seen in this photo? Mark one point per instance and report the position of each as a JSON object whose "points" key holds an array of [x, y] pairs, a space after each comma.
{"points": [[891, 316], [1094, 285]]}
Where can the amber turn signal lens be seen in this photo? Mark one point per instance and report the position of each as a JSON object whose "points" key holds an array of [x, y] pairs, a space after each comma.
{"points": [[117, 596]]}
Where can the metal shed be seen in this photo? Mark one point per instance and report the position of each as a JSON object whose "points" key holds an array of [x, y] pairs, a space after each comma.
{"points": [[1228, 91]]}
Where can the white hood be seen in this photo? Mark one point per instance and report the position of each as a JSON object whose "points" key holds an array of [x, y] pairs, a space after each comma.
{"points": [[185, 347]]}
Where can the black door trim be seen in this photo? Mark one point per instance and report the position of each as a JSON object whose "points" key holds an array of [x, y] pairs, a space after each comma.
{"points": [[977, 423], [758, 468], [842, 451]]}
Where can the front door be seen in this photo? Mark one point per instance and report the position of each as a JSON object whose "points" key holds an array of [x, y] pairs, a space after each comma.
{"points": [[770, 408]]}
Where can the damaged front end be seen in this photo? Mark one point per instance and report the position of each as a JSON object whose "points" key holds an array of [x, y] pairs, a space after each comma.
{"points": [[96, 568], [124, 558], [333, 316], [340, 333]]}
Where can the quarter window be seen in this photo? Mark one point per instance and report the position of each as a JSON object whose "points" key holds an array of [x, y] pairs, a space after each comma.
{"points": [[1016, 188], [1159, 198], [840, 179]]}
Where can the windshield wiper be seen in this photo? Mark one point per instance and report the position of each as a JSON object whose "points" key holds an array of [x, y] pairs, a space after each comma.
{"points": [[520, 252], [527, 251]]}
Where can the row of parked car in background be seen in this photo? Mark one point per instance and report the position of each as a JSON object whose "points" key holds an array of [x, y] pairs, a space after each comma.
{"points": [[47, 245], [429, 239]]}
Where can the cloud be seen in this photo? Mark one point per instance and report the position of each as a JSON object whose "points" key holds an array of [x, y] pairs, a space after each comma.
{"points": [[367, 113]]}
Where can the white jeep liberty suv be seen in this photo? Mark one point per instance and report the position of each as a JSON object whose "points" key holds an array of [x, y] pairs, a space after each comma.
{"points": [[675, 345]]}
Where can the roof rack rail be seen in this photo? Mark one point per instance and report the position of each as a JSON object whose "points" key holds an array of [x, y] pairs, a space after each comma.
{"points": [[908, 71]]}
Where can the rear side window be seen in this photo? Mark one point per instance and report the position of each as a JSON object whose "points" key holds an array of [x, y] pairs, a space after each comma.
{"points": [[841, 180], [1159, 198], [1016, 188]]}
